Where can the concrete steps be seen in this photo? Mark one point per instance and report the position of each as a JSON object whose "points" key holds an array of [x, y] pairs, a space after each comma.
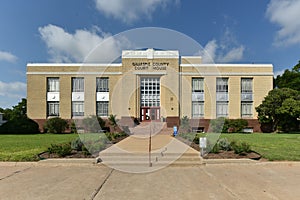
{"points": [[132, 154]]}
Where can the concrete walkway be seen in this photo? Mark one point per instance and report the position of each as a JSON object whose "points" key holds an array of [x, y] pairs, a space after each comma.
{"points": [[132, 154], [81, 179]]}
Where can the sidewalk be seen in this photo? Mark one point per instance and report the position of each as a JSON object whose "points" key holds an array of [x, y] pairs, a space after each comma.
{"points": [[53, 179]]}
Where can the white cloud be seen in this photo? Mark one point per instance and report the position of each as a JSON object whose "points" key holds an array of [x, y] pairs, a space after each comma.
{"points": [[226, 50], [13, 89], [8, 57], [285, 14], [129, 11], [68, 47]]}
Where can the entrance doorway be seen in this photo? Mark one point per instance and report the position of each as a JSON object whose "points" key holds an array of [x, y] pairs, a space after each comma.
{"points": [[150, 113], [150, 98]]}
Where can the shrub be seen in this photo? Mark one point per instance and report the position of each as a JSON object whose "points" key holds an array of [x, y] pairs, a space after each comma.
{"points": [[77, 144], [56, 125], [20, 126], [73, 127], [185, 125], [218, 125], [91, 124], [224, 144], [240, 148], [61, 150], [236, 125]]}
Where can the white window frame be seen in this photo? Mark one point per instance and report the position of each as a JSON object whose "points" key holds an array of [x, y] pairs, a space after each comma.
{"points": [[102, 108], [102, 84], [77, 108], [53, 108], [246, 109], [222, 109], [197, 109], [52, 84], [77, 84]]}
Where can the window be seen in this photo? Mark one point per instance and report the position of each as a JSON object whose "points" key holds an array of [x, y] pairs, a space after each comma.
{"points": [[246, 85], [150, 91], [246, 109], [53, 109], [77, 108], [77, 84], [222, 85], [222, 109], [197, 109], [197, 85], [197, 97], [102, 108], [53, 84], [102, 85]]}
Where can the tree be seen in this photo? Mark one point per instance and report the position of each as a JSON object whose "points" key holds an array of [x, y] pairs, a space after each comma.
{"points": [[56, 125], [281, 108], [18, 111], [289, 79]]}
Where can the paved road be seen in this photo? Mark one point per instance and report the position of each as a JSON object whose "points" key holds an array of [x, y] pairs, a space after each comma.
{"points": [[82, 179]]}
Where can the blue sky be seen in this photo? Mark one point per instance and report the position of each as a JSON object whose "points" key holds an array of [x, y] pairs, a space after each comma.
{"points": [[232, 31]]}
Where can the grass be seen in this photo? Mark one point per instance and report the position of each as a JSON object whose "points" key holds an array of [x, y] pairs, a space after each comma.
{"points": [[26, 147], [271, 146]]}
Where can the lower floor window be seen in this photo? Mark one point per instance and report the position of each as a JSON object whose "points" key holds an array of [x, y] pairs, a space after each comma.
{"points": [[222, 109], [77, 108], [102, 108], [53, 109], [246, 109], [197, 109]]}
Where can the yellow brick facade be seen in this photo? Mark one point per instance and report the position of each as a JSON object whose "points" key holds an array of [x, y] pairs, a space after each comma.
{"points": [[175, 75]]}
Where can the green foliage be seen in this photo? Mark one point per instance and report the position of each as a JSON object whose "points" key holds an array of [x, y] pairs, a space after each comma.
{"points": [[113, 120], [77, 144], [234, 125], [60, 149], [280, 107], [224, 144], [73, 127], [56, 125], [185, 125], [20, 126], [217, 125], [240, 148], [289, 79], [91, 124]]}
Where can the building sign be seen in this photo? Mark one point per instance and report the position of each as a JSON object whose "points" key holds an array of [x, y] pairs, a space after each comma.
{"points": [[156, 66]]}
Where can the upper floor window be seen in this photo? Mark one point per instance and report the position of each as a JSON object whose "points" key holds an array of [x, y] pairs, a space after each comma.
{"points": [[246, 85], [222, 85], [53, 84], [77, 84], [197, 85], [102, 85]]}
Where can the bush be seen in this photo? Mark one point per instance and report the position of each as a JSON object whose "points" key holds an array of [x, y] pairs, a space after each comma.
{"points": [[217, 125], [77, 144], [240, 148], [235, 125], [185, 125], [224, 144], [20, 126], [61, 150], [56, 125]]}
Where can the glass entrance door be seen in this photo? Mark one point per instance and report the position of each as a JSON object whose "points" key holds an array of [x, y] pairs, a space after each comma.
{"points": [[150, 98]]}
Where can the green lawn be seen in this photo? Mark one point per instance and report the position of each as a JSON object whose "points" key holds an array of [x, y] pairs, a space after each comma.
{"points": [[26, 147], [271, 146]]}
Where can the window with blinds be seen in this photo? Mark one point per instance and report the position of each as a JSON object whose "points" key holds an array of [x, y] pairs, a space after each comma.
{"points": [[53, 84], [77, 84], [102, 84], [77, 108]]}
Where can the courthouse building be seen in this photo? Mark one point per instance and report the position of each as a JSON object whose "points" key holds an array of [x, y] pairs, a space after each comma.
{"points": [[149, 85]]}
